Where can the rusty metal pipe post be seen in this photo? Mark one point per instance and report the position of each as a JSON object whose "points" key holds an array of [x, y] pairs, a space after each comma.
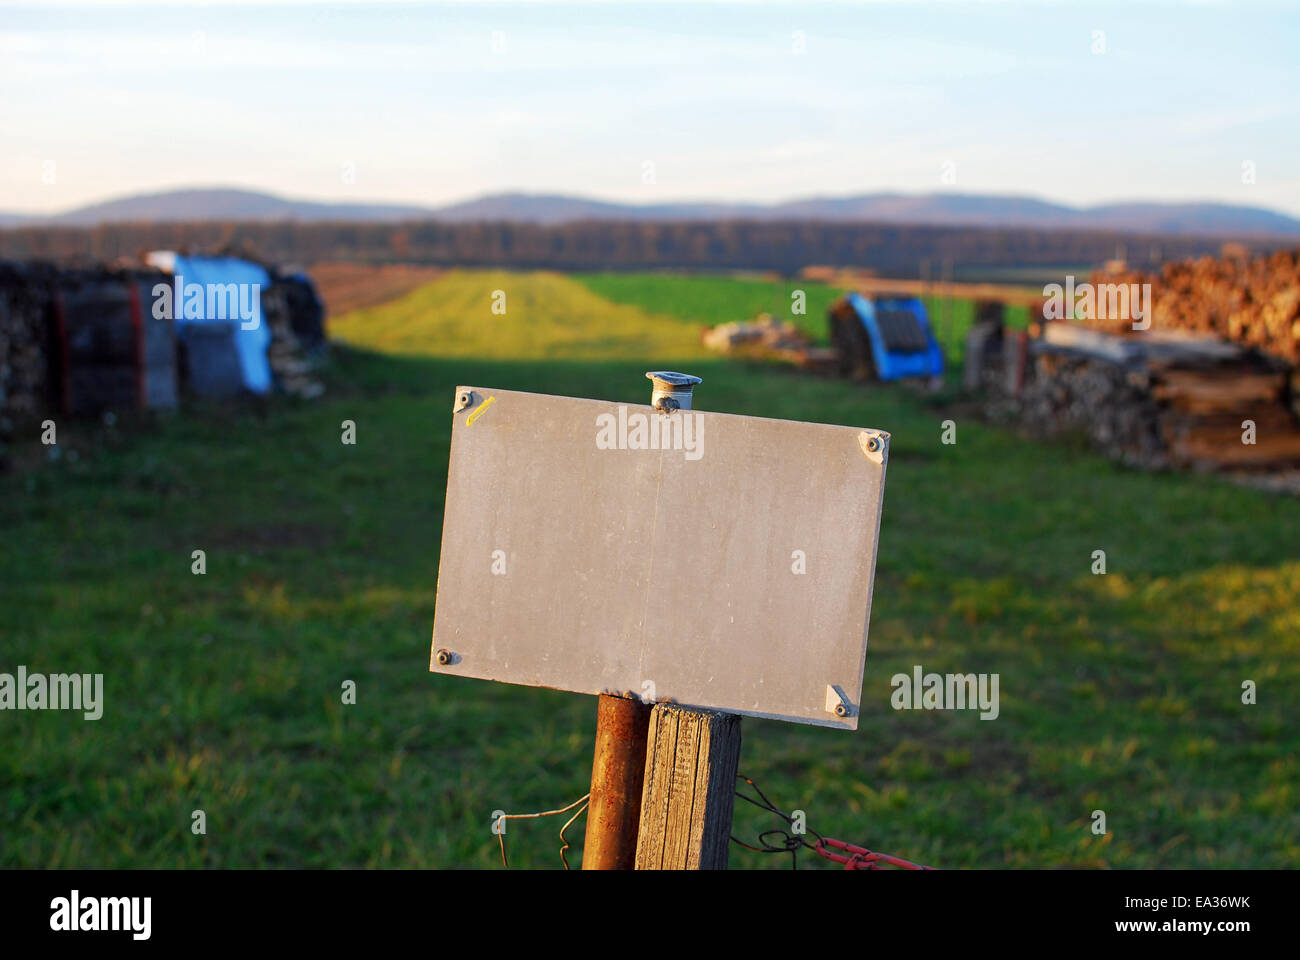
{"points": [[617, 776]]}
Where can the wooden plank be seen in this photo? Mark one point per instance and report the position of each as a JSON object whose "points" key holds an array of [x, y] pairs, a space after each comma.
{"points": [[690, 787], [1029, 296], [1197, 391], [1223, 448]]}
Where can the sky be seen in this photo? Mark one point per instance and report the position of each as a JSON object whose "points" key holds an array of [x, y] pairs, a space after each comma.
{"points": [[1080, 103]]}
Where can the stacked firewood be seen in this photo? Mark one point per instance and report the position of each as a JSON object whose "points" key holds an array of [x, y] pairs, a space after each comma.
{"points": [[768, 338], [765, 332], [286, 353], [1253, 302], [1152, 402], [26, 312], [1232, 416], [105, 356], [1064, 395]]}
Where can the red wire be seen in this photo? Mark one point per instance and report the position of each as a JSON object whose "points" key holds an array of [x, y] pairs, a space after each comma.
{"points": [[860, 858]]}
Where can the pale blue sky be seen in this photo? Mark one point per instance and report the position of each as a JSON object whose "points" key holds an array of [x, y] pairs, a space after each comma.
{"points": [[439, 102]]}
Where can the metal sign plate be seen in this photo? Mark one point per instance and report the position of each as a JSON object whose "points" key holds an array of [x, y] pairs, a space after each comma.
{"points": [[700, 558]]}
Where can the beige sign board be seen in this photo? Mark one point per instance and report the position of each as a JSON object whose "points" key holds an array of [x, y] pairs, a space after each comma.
{"points": [[701, 558]]}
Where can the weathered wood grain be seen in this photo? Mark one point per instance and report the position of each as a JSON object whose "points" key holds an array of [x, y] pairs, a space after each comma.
{"points": [[690, 789]]}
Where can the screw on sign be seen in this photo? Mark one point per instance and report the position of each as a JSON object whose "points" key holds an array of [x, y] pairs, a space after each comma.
{"points": [[649, 564]]}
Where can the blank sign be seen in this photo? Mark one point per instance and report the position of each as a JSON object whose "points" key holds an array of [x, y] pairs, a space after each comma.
{"points": [[700, 558]]}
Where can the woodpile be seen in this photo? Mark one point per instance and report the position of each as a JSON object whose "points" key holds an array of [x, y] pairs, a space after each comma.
{"points": [[765, 332], [26, 314], [114, 353], [1212, 383], [1063, 395], [1254, 302], [767, 338], [1205, 413], [84, 341], [287, 354], [1153, 401]]}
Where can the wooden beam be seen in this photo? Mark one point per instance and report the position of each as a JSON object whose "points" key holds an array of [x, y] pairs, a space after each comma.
{"points": [[690, 789]]}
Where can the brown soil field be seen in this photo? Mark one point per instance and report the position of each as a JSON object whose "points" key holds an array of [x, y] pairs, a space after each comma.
{"points": [[350, 286]]}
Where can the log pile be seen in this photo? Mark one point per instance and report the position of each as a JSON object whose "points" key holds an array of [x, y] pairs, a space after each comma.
{"points": [[768, 338], [79, 341], [1254, 302], [26, 314], [287, 354], [765, 332], [1062, 395], [1205, 414], [1155, 401]]}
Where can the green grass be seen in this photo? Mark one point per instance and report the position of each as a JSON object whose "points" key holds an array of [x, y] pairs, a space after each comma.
{"points": [[1119, 692], [709, 300], [495, 314]]}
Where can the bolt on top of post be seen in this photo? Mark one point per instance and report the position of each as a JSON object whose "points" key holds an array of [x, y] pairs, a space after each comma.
{"points": [[671, 391]]}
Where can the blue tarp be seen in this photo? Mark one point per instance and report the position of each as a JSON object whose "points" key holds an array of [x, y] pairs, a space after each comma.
{"points": [[214, 275], [917, 355]]}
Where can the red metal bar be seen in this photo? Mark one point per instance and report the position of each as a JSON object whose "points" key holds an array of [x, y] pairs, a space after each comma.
{"points": [[137, 322], [860, 858]]}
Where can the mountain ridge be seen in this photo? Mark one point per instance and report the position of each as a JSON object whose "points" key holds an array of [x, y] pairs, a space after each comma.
{"points": [[930, 209]]}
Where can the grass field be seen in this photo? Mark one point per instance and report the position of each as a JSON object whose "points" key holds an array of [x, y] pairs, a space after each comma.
{"points": [[1119, 692], [547, 317], [710, 300]]}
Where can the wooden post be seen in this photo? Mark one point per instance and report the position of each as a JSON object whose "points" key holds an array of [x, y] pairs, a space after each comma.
{"points": [[947, 304], [614, 808], [690, 789], [691, 755]]}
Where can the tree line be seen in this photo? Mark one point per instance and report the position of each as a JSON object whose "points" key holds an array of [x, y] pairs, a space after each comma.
{"points": [[785, 247]]}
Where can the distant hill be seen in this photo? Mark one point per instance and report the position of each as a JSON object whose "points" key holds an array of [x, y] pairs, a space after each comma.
{"points": [[552, 209], [934, 209], [220, 204]]}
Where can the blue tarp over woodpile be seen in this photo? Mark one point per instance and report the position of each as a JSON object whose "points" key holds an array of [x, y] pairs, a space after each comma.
{"points": [[250, 336]]}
